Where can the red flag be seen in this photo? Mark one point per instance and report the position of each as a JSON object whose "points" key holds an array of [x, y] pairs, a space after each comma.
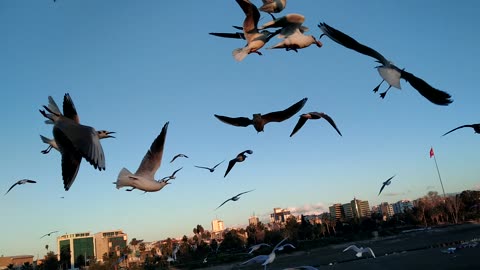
{"points": [[431, 152]]}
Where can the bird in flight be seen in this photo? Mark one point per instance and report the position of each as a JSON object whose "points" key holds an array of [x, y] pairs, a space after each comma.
{"points": [[73, 140], [256, 247], [259, 121], [387, 70], [48, 234], [476, 128], [273, 6], [210, 169], [386, 183], [313, 115], [20, 182], [143, 179], [102, 134], [177, 156], [360, 251], [240, 158], [234, 198], [171, 177]]}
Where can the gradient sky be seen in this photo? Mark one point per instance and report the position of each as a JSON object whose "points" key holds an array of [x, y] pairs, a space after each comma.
{"points": [[131, 66]]}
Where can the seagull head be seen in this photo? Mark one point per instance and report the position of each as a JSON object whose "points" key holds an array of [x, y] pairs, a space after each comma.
{"points": [[105, 134], [317, 42]]}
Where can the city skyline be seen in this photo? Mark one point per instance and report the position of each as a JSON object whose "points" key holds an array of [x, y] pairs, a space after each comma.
{"points": [[130, 67]]}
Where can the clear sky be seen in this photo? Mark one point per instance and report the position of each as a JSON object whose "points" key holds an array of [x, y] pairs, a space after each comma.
{"points": [[131, 66]]}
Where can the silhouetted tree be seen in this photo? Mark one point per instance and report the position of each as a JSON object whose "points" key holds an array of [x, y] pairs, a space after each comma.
{"points": [[51, 262], [291, 228], [27, 266], [305, 230]]}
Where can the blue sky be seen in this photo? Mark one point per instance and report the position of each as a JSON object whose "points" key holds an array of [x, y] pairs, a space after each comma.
{"points": [[131, 66]]}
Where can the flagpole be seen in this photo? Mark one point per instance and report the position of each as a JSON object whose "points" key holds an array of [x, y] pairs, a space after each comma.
{"points": [[438, 171]]}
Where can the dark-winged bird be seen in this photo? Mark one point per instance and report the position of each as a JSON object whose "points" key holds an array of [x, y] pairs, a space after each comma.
{"points": [[387, 70], [48, 234], [273, 6], [177, 156], [210, 169], [476, 128], [259, 121], [313, 115], [234, 198], [240, 158], [171, 177], [386, 183], [20, 182]]}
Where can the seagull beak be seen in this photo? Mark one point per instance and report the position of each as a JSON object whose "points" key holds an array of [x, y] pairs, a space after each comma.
{"points": [[108, 134]]}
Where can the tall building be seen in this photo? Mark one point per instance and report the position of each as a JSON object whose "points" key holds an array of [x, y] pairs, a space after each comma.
{"points": [[347, 210], [253, 220], [109, 241], [217, 225], [360, 208], [401, 206], [336, 211], [279, 215], [386, 210], [76, 244]]}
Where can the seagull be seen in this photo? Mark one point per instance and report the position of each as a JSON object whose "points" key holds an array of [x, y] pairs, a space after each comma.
{"points": [[280, 248], [273, 6], [143, 178], [313, 115], [255, 39], [387, 70], [210, 169], [271, 256], [256, 247], [259, 121], [234, 198], [20, 182], [73, 140], [48, 234], [174, 253], [256, 259], [177, 156], [476, 128], [386, 183], [102, 134], [171, 177], [240, 158], [360, 251]]}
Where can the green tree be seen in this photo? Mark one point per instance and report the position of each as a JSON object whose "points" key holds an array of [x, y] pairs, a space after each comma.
{"points": [[11, 266], [291, 228], [51, 262], [27, 266], [232, 241], [305, 230]]}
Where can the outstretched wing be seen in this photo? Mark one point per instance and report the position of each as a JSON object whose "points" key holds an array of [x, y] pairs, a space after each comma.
{"points": [[153, 158], [223, 203], [280, 116], [16, 183], [239, 194], [218, 164], [355, 248], [69, 109], [329, 120], [369, 250], [457, 128], [347, 41], [235, 121], [202, 167], [381, 189], [237, 35], [230, 166], [299, 125], [434, 95]]}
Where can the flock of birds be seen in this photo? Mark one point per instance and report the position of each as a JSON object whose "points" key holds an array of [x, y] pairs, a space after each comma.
{"points": [[76, 141]]}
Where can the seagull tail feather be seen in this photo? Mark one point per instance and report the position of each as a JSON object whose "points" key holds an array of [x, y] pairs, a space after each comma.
{"points": [[240, 53], [123, 178]]}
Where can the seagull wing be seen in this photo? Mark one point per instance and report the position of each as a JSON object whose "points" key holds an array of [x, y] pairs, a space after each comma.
{"points": [[230, 166], [432, 94], [235, 121], [218, 164], [355, 248], [252, 15], [236, 35], [30, 181], [257, 259], [153, 158], [244, 192], [301, 121], [457, 128], [175, 157], [280, 116], [369, 250], [347, 41], [202, 167], [43, 236], [381, 189], [71, 158], [69, 109], [223, 203], [329, 120], [52, 105], [176, 171], [10, 188]]}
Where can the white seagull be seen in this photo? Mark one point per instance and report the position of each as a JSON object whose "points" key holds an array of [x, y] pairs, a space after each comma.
{"points": [[386, 183], [360, 251], [234, 198], [256, 247], [20, 182], [143, 178], [387, 70], [271, 256], [73, 140]]}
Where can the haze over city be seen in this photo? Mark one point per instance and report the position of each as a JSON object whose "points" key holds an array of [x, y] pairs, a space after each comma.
{"points": [[132, 66]]}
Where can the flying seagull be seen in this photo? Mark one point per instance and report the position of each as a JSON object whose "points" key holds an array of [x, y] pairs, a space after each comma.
{"points": [[234, 198], [255, 39], [256, 247], [210, 169], [102, 134], [476, 128], [387, 70], [20, 182], [48, 234], [73, 140], [143, 178], [360, 251], [386, 183], [240, 158], [273, 6], [171, 177], [271, 256], [177, 156], [259, 121], [313, 115]]}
